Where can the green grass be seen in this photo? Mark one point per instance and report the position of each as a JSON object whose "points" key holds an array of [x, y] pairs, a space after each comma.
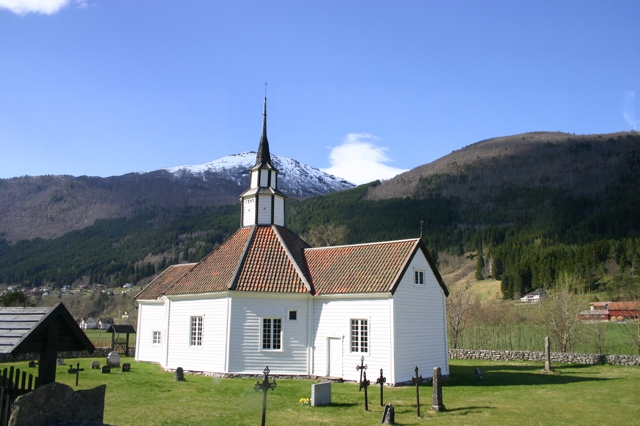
{"points": [[511, 393]]}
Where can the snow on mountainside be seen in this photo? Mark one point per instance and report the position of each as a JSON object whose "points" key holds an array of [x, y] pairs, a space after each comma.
{"points": [[295, 179]]}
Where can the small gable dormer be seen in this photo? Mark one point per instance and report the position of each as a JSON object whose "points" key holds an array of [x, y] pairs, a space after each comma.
{"points": [[263, 203]]}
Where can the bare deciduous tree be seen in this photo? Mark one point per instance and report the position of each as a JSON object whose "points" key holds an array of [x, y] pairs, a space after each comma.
{"points": [[329, 234], [559, 314], [459, 305]]}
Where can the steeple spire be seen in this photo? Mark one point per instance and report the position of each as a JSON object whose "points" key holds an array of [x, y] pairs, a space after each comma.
{"points": [[264, 156]]}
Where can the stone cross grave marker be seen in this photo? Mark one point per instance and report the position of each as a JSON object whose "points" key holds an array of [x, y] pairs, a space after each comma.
{"points": [[437, 390], [362, 368], [417, 380], [179, 376], [265, 386], [77, 371], [113, 359], [381, 381]]}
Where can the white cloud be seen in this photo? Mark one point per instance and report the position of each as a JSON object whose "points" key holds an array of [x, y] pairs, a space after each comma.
{"points": [[359, 160], [629, 109], [48, 7]]}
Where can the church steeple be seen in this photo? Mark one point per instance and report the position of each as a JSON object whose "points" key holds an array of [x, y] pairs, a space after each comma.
{"points": [[264, 156], [263, 203]]}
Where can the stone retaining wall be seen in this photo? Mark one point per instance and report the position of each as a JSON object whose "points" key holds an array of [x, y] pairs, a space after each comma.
{"points": [[563, 357]]}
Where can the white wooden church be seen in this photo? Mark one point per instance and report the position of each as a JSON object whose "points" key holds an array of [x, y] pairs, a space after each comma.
{"points": [[266, 298]]}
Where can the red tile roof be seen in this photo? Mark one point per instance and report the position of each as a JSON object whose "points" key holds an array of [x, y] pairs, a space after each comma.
{"points": [[273, 259], [217, 271], [360, 268], [162, 282], [269, 266]]}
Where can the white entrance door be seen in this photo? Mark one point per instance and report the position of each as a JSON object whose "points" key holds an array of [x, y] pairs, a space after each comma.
{"points": [[335, 358]]}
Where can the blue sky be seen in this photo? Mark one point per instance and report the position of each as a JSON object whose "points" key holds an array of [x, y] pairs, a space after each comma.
{"points": [[362, 88]]}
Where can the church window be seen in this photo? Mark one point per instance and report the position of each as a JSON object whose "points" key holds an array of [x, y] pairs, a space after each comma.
{"points": [[293, 315], [359, 335], [196, 331], [157, 337], [271, 333], [418, 277]]}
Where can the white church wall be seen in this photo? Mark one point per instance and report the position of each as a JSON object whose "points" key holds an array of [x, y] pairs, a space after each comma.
{"points": [[246, 352], [210, 356], [151, 318], [278, 216], [264, 209], [332, 317], [248, 212], [264, 178], [254, 179], [420, 331]]}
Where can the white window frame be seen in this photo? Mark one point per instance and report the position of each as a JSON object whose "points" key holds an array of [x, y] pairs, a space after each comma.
{"points": [[289, 315], [268, 342], [359, 335], [196, 328], [418, 277], [157, 337]]}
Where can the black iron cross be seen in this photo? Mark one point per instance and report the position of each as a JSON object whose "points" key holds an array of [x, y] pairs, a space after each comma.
{"points": [[361, 367], [265, 386], [78, 370], [417, 380], [381, 380], [365, 384]]}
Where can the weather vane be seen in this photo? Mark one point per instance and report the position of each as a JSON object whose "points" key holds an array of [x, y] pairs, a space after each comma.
{"points": [[265, 89]]}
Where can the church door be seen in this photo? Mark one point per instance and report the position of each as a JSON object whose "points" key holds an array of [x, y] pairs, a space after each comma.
{"points": [[334, 357]]}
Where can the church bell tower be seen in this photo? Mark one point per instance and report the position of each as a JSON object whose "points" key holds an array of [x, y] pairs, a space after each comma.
{"points": [[263, 203]]}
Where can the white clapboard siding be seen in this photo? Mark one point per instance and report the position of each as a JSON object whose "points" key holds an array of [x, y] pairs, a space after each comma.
{"points": [[332, 318], [278, 216], [248, 212], [420, 330], [151, 319], [274, 179], [246, 354], [264, 209], [211, 355], [264, 178], [254, 179]]}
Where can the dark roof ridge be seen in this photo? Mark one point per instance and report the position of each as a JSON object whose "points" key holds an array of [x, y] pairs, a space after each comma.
{"points": [[293, 261], [363, 244], [245, 251]]}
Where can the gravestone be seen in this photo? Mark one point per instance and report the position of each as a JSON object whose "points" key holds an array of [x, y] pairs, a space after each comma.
{"points": [[478, 375], [60, 361], [95, 365], [72, 370], [113, 359], [55, 403], [32, 364], [106, 369], [389, 415], [437, 390], [179, 377], [320, 394], [547, 355], [126, 367]]}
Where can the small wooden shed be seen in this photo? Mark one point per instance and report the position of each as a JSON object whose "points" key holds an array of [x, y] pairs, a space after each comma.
{"points": [[45, 331], [117, 344]]}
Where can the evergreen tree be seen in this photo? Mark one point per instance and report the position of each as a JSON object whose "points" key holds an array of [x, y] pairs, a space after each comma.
{"points": [[479, 267]]}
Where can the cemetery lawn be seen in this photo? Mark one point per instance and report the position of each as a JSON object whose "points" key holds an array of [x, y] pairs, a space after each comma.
{"points": [[511, 393]]}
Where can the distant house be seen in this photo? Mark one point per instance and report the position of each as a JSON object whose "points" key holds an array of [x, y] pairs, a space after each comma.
{"points": [[623, 311], [104, 323], [534, 296], [595, 315], [88, 324]]}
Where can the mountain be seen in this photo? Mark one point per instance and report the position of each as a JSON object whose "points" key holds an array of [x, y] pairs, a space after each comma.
{"points": [[50, 206], [578, 165]]}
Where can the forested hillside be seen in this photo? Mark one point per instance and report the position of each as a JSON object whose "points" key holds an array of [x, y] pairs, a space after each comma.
{"points": [[529, 230]]}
